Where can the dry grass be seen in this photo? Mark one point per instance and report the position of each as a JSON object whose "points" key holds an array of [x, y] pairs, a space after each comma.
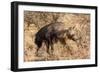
{"points": [[33, 21]]}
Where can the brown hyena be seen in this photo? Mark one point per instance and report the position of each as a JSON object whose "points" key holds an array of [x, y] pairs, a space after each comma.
{"points": [[53, 33]]}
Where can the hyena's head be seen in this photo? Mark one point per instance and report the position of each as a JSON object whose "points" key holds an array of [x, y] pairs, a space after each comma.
{"points": [[71, 33]]}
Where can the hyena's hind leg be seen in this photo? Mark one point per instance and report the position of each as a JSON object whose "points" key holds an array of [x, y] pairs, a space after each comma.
{"points": [[47, 46], [50, 47], [36, 52], [38, 48]]}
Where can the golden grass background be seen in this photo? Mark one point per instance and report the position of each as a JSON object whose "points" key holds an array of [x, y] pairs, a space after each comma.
{"points": [[33, 21]]}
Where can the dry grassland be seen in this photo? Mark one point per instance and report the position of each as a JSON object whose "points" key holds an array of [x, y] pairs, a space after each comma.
{"points": [[33, 21]]}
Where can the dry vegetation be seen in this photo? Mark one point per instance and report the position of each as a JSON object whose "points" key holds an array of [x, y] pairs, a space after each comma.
{"points": [[33, 21]]}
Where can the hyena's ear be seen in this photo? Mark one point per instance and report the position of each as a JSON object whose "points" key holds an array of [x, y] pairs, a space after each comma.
{"points": [[73, 27]]}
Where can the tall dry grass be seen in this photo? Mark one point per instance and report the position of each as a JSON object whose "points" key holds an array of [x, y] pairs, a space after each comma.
{"points": [[33, 21]]}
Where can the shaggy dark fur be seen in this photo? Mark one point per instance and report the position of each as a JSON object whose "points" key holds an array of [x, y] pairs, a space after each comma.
{"points": [[51, 34]]}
